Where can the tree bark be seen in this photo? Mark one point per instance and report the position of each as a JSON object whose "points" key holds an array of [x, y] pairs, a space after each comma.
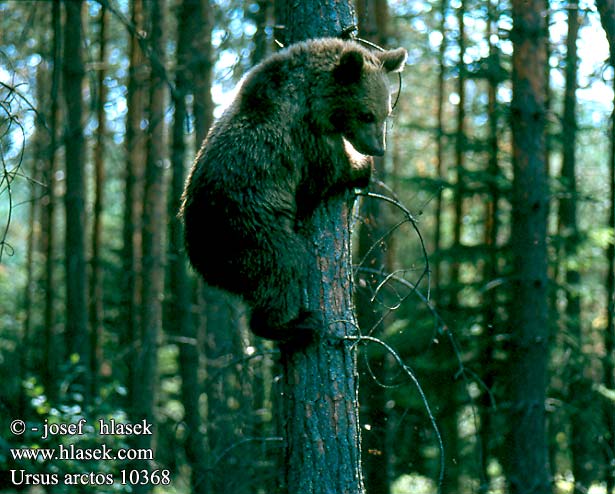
{"points": [[440, 165], [153, 225], [373, 19], [491, 370], [74, 200], [194, 43], [528, 468], [96, 278], [48, 203], [320, 402], [580, 393], [131, 232]]}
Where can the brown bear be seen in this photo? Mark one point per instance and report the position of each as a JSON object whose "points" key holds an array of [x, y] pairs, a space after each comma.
{"points": [[298, 131]]}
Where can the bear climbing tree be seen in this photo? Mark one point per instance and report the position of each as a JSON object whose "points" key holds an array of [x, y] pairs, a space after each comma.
{"points": [[300, 131]]}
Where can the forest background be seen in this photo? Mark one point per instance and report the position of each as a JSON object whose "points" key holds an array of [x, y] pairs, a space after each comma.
{"points": [[102, 107]]}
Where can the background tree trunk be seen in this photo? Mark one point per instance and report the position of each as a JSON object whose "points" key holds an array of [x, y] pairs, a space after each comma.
{"points": [[133, 199], [580, 393], [96, 277], [490, 369], [320, 405], [153, 226], [374, 25], [527, 463], [193, 62], [48, 203], [76, 276], [440, 141]]}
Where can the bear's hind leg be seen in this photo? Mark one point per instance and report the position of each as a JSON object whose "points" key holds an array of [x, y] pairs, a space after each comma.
{"points": [[279, 310]]}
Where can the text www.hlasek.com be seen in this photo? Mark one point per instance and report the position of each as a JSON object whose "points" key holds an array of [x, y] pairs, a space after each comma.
{"points": [[72, 453]]}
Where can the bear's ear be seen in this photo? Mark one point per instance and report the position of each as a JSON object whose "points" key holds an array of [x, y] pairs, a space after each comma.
{"points": [[349, 68], [393, 60]]}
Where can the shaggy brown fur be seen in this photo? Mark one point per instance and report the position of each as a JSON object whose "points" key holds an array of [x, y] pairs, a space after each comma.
{"points": [[297, 132]]}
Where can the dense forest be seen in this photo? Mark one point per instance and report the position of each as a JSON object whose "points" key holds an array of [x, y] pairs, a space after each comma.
{"points": [[483, 257]]}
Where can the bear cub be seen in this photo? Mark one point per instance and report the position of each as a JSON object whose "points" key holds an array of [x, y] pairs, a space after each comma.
{"points": [[299, 130]]}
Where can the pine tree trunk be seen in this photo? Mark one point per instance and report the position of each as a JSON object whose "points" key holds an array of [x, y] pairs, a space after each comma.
{"points": [[582, 442], [373, 19], [490, 272], [440, 166], [460, 149], [203, 117], [48, 203], [194, 43], [320, 382], [96, 279], [153, 225], [74, 199], [527, 462], [131, 233]]}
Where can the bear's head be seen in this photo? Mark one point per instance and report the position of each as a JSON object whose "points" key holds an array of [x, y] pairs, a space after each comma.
{"points": [[362, 100]]}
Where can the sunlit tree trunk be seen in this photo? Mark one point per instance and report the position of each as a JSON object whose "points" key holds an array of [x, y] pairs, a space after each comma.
{"points": [[76, 337], [527, 461], [320, 406]]}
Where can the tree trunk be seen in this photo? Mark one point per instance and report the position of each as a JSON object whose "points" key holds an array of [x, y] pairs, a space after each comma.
{"points": [[203, 116], [449, 415], [96, 279], [490, 371], [48, 202], [194, 43], [320, 406], [40, 144], [440, 166], [76, 277], [580, 393], [131, 232], [153, 224], [460, 148], [373, 19], [528, 468]]}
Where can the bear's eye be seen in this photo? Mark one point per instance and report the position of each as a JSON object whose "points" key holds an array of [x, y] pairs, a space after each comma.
{"points": [[367, 117]]}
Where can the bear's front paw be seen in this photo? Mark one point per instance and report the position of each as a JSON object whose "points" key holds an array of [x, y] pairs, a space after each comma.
{"points": [[302, 331], [360, 180]]}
